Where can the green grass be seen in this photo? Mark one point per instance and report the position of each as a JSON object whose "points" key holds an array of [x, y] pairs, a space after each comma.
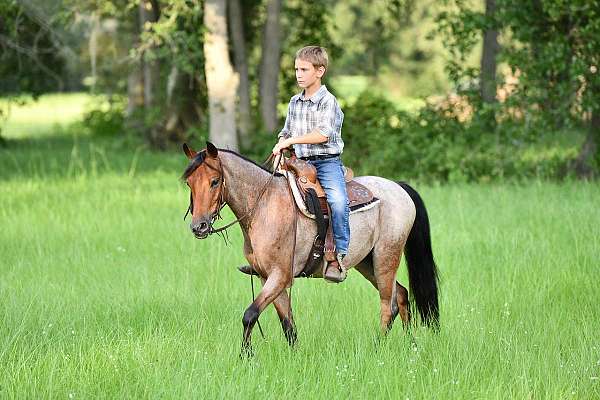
{"points": [[105, 293], [44, 117]]}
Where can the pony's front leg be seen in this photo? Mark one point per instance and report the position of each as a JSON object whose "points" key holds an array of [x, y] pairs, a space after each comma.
{"points": [[274, 285], [284, 312]]}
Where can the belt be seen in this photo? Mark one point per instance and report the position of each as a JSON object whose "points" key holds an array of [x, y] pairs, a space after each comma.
{"points": [[322, 157]]}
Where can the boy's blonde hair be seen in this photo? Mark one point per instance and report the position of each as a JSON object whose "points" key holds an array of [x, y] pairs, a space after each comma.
{"points": [[316, 55]]}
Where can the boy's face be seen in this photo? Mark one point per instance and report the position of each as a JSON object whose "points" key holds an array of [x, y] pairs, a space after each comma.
{"points": [[306, 73]]}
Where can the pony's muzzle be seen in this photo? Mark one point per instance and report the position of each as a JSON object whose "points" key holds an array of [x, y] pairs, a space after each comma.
{"points": [[200, 228]]}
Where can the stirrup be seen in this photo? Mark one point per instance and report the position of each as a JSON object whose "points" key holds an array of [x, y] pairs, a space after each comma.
{"points": [[248, 270], [334, 273]]}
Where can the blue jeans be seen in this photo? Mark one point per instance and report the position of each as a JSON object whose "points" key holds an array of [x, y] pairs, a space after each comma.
{"points": [[331, 177]]}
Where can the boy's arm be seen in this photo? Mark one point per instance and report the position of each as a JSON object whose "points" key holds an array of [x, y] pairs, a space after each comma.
{"points": [[312, 137]]}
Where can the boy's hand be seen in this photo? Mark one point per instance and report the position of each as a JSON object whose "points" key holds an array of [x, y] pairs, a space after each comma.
{"points": [[282, 144]]}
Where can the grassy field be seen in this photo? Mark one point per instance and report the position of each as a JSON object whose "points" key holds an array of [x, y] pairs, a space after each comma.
{"points": [[104, 292]]}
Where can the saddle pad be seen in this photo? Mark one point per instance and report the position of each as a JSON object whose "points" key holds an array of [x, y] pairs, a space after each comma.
{"points": [[351, 186]]}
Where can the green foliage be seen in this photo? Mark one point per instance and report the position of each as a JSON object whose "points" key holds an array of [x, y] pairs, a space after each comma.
{"points": [[106, 117], [32, 60], [550, 46], [433, 145], [369, 33], [305, 23], [555, 47], [177, 37]]}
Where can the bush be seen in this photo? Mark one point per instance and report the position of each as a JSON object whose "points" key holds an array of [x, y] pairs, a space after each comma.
{"points": [[441, 143], [106, 117], [438, 144]]}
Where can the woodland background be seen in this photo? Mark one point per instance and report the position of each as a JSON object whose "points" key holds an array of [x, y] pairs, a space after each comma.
{"points": [[441, 91]]}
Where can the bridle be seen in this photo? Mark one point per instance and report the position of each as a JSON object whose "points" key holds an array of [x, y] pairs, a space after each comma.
{"points": [[217, 214]]}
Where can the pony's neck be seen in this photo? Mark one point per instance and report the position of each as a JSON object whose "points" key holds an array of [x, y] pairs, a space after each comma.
{"points": [[243, 181]]}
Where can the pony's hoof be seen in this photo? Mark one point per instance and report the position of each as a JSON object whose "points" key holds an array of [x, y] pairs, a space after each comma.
{"points": [[246, 353]]}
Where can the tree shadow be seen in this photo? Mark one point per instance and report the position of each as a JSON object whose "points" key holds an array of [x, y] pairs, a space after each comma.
{"points": [[69, 155]]}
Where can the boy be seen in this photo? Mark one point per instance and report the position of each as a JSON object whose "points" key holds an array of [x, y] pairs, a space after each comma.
{"points": [[313, 125]]}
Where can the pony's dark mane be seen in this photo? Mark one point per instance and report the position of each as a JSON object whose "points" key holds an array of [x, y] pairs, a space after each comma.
{"points": [[201, 156]]}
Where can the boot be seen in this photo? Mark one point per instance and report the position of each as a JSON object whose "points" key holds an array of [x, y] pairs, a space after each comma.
{"points": [[335, 271], [247, 269]]}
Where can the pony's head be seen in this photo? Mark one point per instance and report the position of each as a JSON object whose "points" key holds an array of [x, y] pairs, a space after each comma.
{"points": [[204, 176]]}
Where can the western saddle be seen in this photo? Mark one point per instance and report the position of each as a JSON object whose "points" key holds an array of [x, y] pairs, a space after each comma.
{"points": [[315, 201]]}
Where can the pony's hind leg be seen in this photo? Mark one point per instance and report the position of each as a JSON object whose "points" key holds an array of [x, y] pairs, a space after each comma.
{"points": [[386, 260], [284, 312], [401, 306]]}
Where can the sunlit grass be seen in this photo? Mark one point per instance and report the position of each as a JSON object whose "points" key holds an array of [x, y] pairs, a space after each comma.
{"points": [[42, 117]]}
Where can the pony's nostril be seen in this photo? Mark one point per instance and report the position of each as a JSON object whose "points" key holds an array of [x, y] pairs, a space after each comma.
{"points": [[203, 226]]}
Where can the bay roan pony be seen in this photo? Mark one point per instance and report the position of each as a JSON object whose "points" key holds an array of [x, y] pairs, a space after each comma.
{"points": [[378, 236]]}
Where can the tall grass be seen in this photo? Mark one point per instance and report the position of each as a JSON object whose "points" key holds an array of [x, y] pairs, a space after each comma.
{"points": [[104, 292]]}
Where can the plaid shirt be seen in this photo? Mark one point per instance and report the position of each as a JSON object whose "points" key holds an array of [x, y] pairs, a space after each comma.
{"points": [[322, 112]]}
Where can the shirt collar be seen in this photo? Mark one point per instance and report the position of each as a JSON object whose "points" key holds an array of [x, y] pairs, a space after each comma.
{"points": [[315, 97]]}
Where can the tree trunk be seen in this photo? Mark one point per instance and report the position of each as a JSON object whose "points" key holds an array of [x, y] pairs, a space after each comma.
{"points": [[488, 57], [135, 90], [149, 12], [269, 69], [221, 80], [151, 69], [93, 48], [135, 82], [183, 110], [584, 165], [241, 66]]}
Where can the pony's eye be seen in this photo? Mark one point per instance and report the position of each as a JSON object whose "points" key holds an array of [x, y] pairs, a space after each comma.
{"points": [[214, 182]]}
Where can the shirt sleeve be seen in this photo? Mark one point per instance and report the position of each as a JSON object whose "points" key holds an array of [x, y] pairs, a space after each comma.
{"points": [[285, 132], [326, 118]]}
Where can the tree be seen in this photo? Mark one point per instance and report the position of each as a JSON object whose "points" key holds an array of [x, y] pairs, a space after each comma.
{"points": [[149, 13], [487, 80], [32, 60], [270, 66], [238, 40], [222, 82], [556, 48]]}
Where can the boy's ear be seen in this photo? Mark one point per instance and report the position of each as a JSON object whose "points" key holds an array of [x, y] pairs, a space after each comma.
{"points": [[188, 152], [321, 71], [211, 149]]}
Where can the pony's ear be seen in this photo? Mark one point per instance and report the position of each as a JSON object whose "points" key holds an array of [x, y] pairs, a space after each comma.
{"points": [[188, 152], [211, 150]]}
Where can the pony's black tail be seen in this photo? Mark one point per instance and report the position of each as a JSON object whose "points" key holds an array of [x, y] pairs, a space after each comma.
{"points": [[422, 271]]}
